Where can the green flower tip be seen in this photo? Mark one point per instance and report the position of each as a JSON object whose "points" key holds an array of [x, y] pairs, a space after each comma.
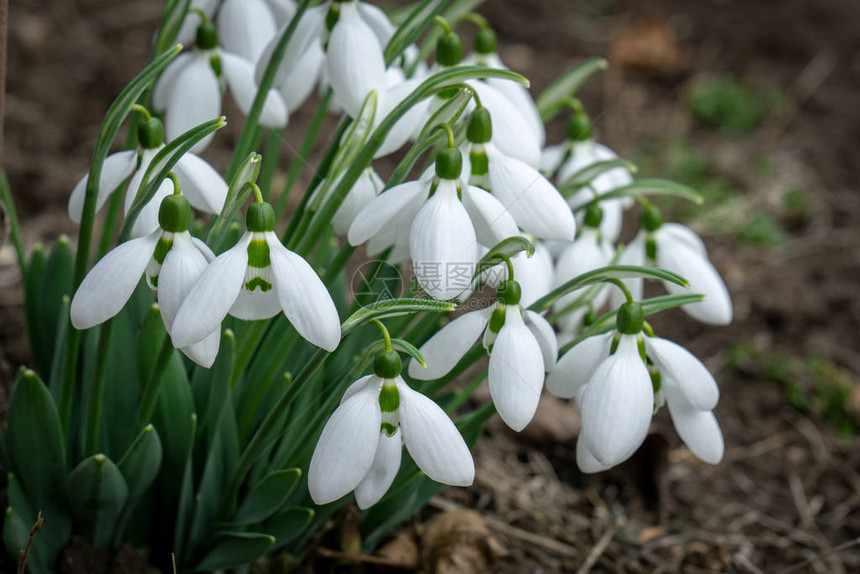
{"points": [[207, 36], [148, 428], [174, 214], [593, 215], [485, 41], [480, 129], [387, 364], [449, 163], [579, 127], [651, 219], [449, 50], [64, 240], [630, 319], [150, 133], [260, 217], [99, 459], [509, 293]]}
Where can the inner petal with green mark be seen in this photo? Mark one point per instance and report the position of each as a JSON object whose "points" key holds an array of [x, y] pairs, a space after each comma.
{"points": [[258, 274], [153, 268], [389, 403]]}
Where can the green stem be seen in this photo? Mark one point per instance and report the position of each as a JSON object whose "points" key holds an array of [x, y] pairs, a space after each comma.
{"points": [[153, 385], [385, 336], [97, 392], [109, 226], [14, 225], [620, 284], [272, 151]]}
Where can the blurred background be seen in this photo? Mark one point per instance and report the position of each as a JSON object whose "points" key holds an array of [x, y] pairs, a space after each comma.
{"points": [[756, 104]]}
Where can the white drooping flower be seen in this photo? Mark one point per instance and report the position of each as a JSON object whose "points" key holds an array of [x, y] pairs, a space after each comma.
{"points": [[361, 444], [534, 203], [190, 89], [169, 258], [677, 248], [608, 377], [204, 188], [257, 279], [445, 220], [522, 348]]}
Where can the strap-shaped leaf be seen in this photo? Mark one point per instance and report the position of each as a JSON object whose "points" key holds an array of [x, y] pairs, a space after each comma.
{"points": [[97, 494], [604, 274], [171, 23], [236, 195], [555, 96], [503, 251], [589, 172], [654, 187], [234, 549], [393, 308], [415, 24], [141, 462], [288, 525], [267, 497]]}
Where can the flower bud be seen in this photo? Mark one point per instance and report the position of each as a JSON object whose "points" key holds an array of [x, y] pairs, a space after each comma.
{"points": [[449, 50], [630, 319], [593, 215], [485, 41], [509, 293], [387, 365], [260, 218], [480, 130], [150, 133], [579, 127], [207, 36], [174, 214]]}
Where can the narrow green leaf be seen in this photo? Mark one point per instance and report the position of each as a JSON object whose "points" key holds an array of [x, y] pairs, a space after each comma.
{"points": [[393, 308], [142, 461], [503, 251], [56, 283], [59, 358], [233, 549], [582, 177], [97, 494], [553, 98], [415, 24], [32, 308], [288, 525], [14, 226], [268, 496], [654, 187], [355, 137], [171, 22], [603, 274], [236, 195], [448, 113], [17, 499], [182, 497], [409, 349]]}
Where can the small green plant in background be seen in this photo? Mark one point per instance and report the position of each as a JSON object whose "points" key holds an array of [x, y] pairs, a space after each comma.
{"points": [[730, 106]]}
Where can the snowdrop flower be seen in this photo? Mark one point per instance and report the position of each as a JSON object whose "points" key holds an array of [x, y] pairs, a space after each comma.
{"points": [[677, 248], [589, 251], [189, 91], [578, 152], [445, 219], [361, 444], [608, 376], [201, 184], [256, 279], [521, 345], [169, 258], [535, 204]]}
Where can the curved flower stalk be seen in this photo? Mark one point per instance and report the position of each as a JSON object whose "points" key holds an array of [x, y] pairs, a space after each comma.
{"points": [[204, 188], [256, 279], [194, 17], [169, 258], [361, 444], [521, 345], [190, 89], [534, 203], [445, 220], [619, 378], [677, 248], [578, 151]]}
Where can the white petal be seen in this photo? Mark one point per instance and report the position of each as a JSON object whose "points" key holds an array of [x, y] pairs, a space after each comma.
{"points": [[443, 245], [204, 187], [147, 218], [192, 20], [354, 60], [204, 352], [633, 254], [551, 158], [576, 367], [347, 445], [585, 460], [108, 285], [194, 98], [115, 169], [534, 274], [301, 79], [239, 74], [181, 269], [385, 465], [283, 10], [697, 428], [164, 85], [686, 371], [512, 132], [716, 309], [307, 32], [378, 22], [616, 405], [204, 249], [303, 297], [378, 214], [545, 337], [678, 233], [408, 125], [432, 439], [445, 349], [245, 27], [613, 218], [210, 299], [587, 253], [365, 190], [531, 199], [492, 221], [356, 386], [522, 100], [516, 372], [255, 305]]}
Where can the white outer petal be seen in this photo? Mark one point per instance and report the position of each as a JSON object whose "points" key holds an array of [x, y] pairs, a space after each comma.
{"points": [[299, 83], [211, 298], [164, 85], [378, 21], [239, 74], [492, 221], [432, 439], [633, 254], [576, 367], [193, 98], [303, 297], [684, 370], [116, 169], [204, 187], [677, 233], [534, 274], [587, 253], [386, 463], [551, 158], [245, 27], [522, 99], [545, 337], [697, 428], [109, 284], [181, 269], [147, 218], [512, 132], [346, 448], [365, 190], [406, 126], [204, 352], [616, 405], [445, 349], [354, 60], [308, 32], [530, 198], [516, 372], [442, 244], [585, 459], [379, 213]]}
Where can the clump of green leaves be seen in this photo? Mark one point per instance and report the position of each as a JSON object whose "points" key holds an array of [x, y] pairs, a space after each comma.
{"points": [[731, 106]]}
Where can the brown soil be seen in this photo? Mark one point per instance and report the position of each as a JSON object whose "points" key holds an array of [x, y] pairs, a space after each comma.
{"points": [[786, 496]]}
